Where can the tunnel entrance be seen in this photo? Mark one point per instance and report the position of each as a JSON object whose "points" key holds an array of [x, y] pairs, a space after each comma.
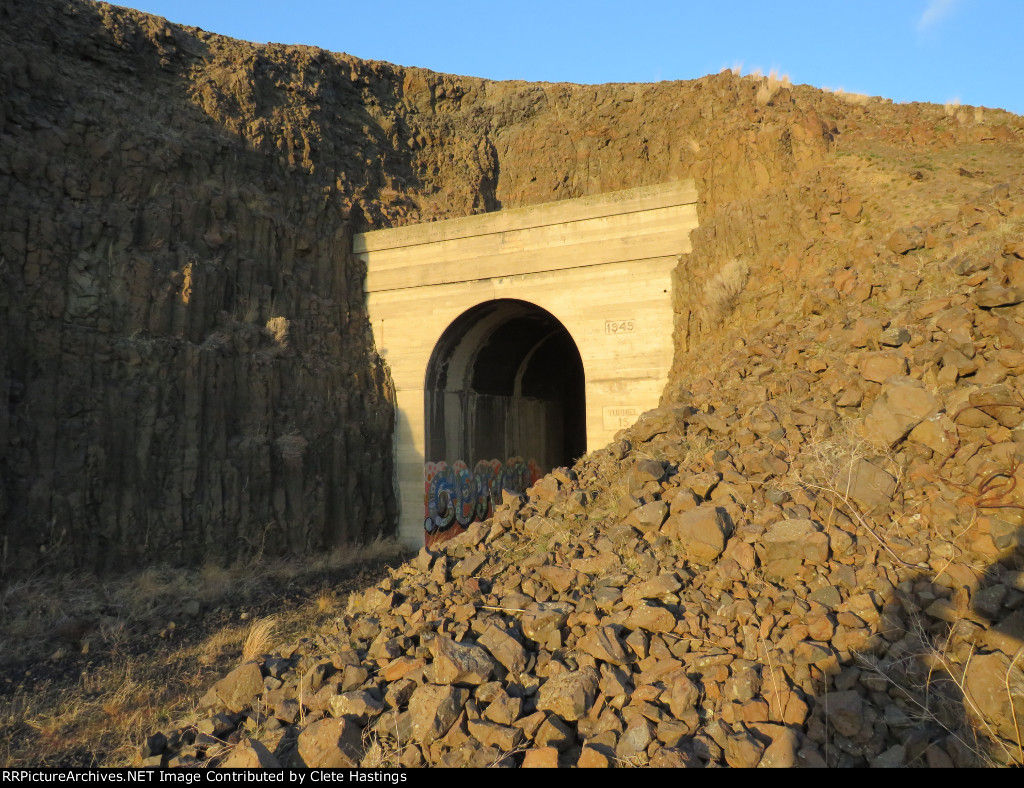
{"points": [[504, 403]]}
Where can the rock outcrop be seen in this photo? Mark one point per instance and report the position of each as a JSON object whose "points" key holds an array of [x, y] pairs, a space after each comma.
{"points": [[186, 366]]}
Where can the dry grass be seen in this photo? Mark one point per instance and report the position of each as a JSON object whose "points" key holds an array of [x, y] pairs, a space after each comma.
{"points": [[722, 291], [225, 641], [91, 666], [382, 752], [931, 682], [325, 602], [830, 473], [770, 86], [1013, 708], [259, 638], [856, 99], [278, 328], [251, 312], [925, 674]]}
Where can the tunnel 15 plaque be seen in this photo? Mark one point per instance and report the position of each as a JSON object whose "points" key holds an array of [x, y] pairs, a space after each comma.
{"points": [[616, 417]]}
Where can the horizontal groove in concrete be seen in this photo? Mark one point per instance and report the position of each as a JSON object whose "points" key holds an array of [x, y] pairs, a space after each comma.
{"points": [[603, 252], [641, 198]]}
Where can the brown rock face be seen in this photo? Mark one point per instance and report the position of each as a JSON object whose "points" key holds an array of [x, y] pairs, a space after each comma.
{"points": [[701, 532], [569, 695], [329, 744], [187, 371], [433, 709]]}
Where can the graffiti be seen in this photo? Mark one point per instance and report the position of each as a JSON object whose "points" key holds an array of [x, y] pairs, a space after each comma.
{"points": [[455, 496]]}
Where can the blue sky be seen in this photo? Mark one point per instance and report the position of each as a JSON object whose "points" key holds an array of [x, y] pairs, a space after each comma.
{"points": [[971, 51]]}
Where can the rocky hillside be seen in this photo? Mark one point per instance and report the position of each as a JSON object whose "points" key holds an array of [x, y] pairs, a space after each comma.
{"points": [[810, 554]]}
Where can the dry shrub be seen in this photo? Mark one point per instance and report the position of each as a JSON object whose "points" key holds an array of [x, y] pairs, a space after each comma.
{"points": [[770, 86], [216, 580], [922, 678], [258, 639], [722, 291], [764, 94], [325, 602], [278, 327], [856, 99]]}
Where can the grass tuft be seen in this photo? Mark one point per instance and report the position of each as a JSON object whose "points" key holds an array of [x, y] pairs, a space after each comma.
{"points": [[258, 639], [722, 291]]}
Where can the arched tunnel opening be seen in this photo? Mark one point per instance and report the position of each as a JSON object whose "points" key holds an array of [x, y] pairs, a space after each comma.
{"points": [[504, 403]]}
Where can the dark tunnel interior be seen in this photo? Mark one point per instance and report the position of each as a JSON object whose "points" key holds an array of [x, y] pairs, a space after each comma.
{"points": [[506, 379]]}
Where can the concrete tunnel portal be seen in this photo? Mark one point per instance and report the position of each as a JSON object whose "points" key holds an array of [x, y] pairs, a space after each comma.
{"points": [[519, 340], [504, 402]]}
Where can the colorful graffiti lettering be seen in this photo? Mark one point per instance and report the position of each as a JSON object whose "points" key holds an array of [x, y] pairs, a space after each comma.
{"points": [[454, 496]]}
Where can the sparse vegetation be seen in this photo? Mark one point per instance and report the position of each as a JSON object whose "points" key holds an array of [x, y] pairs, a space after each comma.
{"points": [[92, 665], [722, 291]]}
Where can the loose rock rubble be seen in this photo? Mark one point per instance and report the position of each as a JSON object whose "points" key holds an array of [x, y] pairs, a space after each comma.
{"points": [[814, 561]]}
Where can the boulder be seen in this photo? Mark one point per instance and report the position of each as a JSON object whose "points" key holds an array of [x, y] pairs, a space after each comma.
{"points": [[505, 649], [329, 744], [900, 407], [870, 487], [569, 695], [701, 532], [240, 686], [433, 709], [995, 687], [460, 663], [603, 644], [793, 540], [250, 754]]}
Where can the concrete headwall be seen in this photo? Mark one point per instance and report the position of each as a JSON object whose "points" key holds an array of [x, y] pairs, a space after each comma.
{"points": [[601, 265]]}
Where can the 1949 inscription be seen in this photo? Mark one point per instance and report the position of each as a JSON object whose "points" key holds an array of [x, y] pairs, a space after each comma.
{"points": [[619, 326]]}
